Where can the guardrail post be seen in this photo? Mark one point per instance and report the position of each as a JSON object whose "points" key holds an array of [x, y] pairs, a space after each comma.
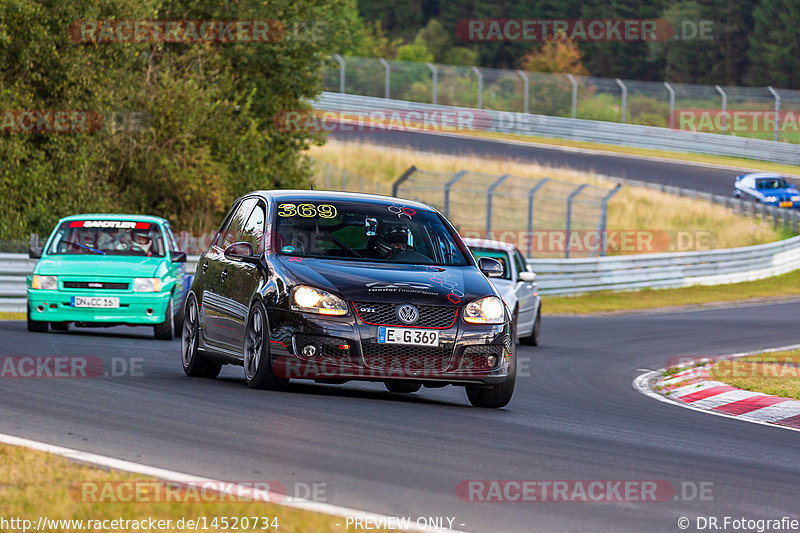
{"points": [[449, 185], [327, 176], [339, 60], [526, 86], [571, 196], [724, 107], [344, 180], [34, 240], [671, 92], [531, 194], [574, 83], [434, 80], [479, 74], [777, 111], [387, 76], [603, 223], [489, 195], [403, 177], [624, 99]]}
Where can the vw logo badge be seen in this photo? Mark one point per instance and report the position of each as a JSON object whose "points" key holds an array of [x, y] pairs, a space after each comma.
{"points": [[407, 313]]}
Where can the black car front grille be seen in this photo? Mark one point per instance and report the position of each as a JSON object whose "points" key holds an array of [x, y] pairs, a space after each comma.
{"points": [[108, 285], [476, 358], [406, 359], [383, 314]]}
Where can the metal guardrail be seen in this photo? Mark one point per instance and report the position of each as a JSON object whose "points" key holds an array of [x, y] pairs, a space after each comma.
{"points": [[667, 270], [14, 268], [563, 276], [648, 137]]}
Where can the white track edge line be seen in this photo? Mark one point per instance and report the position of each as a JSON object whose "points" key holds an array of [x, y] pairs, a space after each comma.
{"points": [[641, 384], [180, 477]]}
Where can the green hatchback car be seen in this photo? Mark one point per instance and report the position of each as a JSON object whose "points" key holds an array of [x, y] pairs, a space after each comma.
{"points": [[108, 270]]}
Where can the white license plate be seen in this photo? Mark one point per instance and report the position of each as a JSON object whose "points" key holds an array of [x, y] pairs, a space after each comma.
{"points": [[414, 337], [95, 301]]}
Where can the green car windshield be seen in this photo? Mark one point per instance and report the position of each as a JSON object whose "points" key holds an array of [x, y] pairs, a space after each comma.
{"points": [[107, 237]]}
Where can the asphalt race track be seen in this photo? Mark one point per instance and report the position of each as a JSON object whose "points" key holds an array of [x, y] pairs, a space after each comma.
{"points": [[576, 417], [677, 174]]}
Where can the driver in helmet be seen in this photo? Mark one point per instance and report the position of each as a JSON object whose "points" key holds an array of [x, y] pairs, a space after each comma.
{"points": [[142, 242], [395, 240]]}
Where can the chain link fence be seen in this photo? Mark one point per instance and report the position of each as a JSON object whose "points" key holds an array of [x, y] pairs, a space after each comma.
{"points": [[755, 112]]}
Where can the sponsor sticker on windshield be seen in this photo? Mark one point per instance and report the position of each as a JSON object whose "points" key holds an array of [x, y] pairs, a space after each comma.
{"points": [[116, 224]]}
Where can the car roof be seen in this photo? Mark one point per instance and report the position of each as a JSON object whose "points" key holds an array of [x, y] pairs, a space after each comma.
{"points": [[490, 244], [115, 216], [762, 175], [315, 195]]}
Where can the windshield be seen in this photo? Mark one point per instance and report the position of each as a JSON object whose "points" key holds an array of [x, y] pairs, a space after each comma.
{"points": [[359, 231], [107, 237], [771, 183]]}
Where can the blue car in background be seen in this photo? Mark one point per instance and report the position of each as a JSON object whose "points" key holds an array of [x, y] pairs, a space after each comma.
{"points": [[769, 189]]}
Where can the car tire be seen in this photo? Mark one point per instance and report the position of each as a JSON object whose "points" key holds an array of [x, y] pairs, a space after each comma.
{"points": [[193, 362], [166, 329], [533, 338], [257, 361], [36, 326], [402, 387], [495, 396], [59, 326]]}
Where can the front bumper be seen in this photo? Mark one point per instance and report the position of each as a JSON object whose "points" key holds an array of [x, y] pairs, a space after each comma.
{"points": [[55, 306], [347, 349]]}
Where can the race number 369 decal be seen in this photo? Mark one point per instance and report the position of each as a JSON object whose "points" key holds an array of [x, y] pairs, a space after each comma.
{"points": [[307, 210]]}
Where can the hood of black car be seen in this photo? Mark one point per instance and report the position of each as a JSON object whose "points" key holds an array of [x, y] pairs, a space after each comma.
{"points": [[387, 282]]}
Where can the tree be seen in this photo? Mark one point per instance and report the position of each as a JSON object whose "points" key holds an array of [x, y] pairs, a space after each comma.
{"points": [[775, 44], [557, 55]]}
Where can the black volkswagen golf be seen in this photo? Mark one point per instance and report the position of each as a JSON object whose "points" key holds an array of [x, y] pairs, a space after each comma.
{"points": [[336, 287]]}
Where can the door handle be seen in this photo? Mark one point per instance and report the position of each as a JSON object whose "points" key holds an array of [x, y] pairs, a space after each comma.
{"points": [[205, 267], [224, 274]]}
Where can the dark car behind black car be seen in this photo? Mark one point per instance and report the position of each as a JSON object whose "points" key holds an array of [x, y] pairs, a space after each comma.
{"points": [[336, 287]]}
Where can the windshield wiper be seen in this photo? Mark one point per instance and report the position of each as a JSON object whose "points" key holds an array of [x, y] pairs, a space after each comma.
{"points": [[79, 245]]}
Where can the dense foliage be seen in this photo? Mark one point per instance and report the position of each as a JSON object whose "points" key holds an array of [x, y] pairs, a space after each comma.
{"points": [[751, 42], [186, 127]]}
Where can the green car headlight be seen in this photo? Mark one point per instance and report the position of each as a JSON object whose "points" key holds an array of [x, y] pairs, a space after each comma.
{"points": [[47, 283], [146, 285]]}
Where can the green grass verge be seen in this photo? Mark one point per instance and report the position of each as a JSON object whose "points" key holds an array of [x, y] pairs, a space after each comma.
{"points": [[12, 316], [785, 285], [39, 484], [736, 162], [775, 373]]}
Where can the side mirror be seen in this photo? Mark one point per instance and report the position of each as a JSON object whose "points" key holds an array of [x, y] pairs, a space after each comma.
{"points": [[242, 252], [527, 276], [35, 252], [178, 257], [490, 267]]}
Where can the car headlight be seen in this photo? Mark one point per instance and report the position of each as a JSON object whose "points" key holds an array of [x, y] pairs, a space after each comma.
{"points": [[771, 199], [313, 300], [488, 310], [47, 283], [796, 198], [146, 285]]}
